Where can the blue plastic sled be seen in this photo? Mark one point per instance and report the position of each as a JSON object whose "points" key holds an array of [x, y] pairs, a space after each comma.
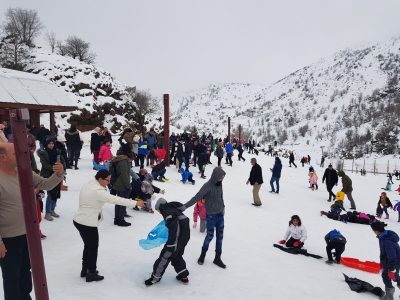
{"points": [[156, 237], [99, 167]]}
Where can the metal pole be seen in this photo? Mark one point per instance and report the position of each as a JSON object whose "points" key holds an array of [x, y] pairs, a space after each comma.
{"points": [[229, 129], [166, 128], [17, 118]]}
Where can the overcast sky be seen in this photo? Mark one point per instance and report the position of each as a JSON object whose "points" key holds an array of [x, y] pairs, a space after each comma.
{"points": [[180, 45]]}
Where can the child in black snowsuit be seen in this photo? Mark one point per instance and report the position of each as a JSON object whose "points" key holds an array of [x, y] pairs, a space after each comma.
{"points": [[178, 237], [334, 241]]}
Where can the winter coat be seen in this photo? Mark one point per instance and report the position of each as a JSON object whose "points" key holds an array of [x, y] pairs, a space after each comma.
{"points": [[188, 150], [159, 167], [47, 171], [185, 174], [122, 167], [31, 142], [389, 249], [313, 178], [277, 169], [229, 148], [219, 152], [330, 177], [105, 153], [42, 133], [291, 157], [346, 182], [212, 192], [199, 211], [151, 140], [203, 156], [335, 236], [179, 152], [385, 204], [296, 232], [95, 142], [256, 175], [142, 148], [73, 140], [92, 198]]}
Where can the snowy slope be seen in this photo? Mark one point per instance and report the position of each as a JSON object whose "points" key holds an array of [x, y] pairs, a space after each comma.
{"points": [[323, 99], [255, 270]]}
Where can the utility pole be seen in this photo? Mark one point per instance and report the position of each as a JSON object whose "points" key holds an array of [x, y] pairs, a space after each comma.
{"points": [[229, 129], [166, 128]]}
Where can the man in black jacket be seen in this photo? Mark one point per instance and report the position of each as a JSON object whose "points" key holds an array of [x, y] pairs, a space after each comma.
{"points": [[255, 180], [178, 237], [331, 178]]}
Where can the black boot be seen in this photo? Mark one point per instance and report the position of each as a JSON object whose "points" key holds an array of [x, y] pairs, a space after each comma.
{"points": [[150, 281], [218, 261], [93, 276], [121, 223], [200, 261], [83, 272]]}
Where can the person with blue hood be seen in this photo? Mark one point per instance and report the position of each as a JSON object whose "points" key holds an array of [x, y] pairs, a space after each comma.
{"points": [[389, 256], [334, 241], [276, 175], [178, 237], [212, 193], [186, 176]]}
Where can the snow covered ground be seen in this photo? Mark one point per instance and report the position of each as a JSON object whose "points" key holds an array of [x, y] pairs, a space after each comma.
{"points": [[256, 270]]}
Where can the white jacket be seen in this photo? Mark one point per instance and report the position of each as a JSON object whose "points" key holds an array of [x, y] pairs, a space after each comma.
{"points": [[296, 232], [92, 198]]}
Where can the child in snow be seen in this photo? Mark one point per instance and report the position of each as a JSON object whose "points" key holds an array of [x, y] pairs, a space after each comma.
{"points": [[105, 154], [383, 204], [313, 178], [296, 233], [334, 241], [397, 207], [186, 176], [200, 210], [398, 190], [388, 186], [178, 237], [336, 208]]}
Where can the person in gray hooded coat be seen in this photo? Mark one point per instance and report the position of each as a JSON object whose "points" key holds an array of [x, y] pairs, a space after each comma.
{"points": [[212, 193]]}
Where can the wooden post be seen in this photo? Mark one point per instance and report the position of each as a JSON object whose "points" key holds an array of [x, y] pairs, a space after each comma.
{"points": [[387, 169], [229, 129], [18, 118], [374, 167], [240, 134], [166, 128], [52, 122], [352, 166]]}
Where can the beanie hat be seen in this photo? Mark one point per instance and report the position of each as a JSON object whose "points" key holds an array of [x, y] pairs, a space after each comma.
{"points": [[340, 196], [159, 202], [378, 226]]}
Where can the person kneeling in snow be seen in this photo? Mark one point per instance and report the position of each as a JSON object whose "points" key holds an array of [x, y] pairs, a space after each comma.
{"points": [[186, 176], [334, 241], [296, 233], [178, 237]]}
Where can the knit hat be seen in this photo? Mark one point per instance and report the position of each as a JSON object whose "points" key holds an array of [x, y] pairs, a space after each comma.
{"points": [[159, 202], [340, 196], [378, 226]]}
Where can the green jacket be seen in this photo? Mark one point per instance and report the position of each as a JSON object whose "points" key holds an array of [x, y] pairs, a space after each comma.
{"points": [[122, 167], [346, 182]]}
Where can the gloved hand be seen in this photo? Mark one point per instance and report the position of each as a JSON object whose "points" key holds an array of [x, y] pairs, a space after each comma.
{"points": [[162, 192], [282, 242], [194, 224], [296, 244]]}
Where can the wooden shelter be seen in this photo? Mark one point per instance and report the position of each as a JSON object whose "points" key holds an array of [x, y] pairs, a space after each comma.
{"points": [[34, 92]]}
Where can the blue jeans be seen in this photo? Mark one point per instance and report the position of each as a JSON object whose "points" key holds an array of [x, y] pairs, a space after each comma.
{"points": [[50, 204], [274, 179], [214, 221], [386, 279]]}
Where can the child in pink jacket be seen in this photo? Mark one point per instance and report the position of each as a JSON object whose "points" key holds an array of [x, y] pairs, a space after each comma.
{"points": [[105, 152], [200, 210]]}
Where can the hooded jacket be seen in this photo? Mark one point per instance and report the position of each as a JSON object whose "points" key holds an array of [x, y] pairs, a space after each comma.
{"points": [[390, 249], [122, 180], [212, 192], [256, 175], [277, 169], [347, 183]]}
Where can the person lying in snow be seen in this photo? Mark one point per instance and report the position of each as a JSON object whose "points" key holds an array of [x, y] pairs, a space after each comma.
{"points": [[178, 237], [296, 233], [335, 211], [186, 176], [334, 241]]}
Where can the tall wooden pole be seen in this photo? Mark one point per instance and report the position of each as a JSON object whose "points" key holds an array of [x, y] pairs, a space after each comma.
{"points": [[229, 129], [52, 122], [18, 118], [240, 134], [166, 128]]}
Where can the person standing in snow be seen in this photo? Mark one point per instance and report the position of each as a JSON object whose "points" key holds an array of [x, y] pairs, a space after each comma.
{"points": [[256, 180], [331, 179], [240, 150], [383, 205], [229, 153], [219, 152], [296, 233], [212, 194], [334, 241], [178, 237], [313, 178], [389, 256], [322, 161], [347, 188], [291, 159], [95, 143], [276, 175]]}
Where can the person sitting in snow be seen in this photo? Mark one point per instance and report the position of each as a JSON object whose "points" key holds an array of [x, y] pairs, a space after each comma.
{"points": [[158, 171], [388, 186], [200, 211], [186, 176], [178, 237], [398, 189], [383, 205], [296, 233], [334, 241]]}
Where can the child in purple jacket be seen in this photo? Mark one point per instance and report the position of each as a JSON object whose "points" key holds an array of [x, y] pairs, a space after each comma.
{"points": [[397, 207]]}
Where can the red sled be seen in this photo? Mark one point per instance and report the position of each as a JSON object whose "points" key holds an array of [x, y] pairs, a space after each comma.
{"points": [[366, 266]]}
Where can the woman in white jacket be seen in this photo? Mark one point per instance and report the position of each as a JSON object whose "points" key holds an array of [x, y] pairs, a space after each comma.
{"points": [[296, 233], [92, 198]]}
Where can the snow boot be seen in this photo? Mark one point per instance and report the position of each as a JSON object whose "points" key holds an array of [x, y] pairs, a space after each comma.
{"points": [[150, 281], [184, 280], [200, 261], [54, 214], [93, 276], [389, 292], [48, 217], [329, 262], [218, 261]]}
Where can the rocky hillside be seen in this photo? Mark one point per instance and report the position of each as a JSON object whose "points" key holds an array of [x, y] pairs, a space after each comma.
{"points": [[349, 103]]}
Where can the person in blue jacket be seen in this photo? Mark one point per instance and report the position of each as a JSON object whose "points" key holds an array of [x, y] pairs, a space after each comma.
{"points": [[276, 175], [142, 151], [186, 176], [334, 241], [229, 153], [389, 256]]}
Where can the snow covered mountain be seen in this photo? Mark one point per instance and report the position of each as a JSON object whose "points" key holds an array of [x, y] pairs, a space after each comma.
{"points": [[343, 102]]}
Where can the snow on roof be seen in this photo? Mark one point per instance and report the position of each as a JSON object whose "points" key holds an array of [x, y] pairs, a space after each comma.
{"points": [[27, 88]]}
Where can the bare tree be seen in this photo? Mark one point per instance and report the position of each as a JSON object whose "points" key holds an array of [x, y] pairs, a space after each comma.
{"points": [[51, 40], [79, 49], [144, 104], [23, 24], [61, 48]]}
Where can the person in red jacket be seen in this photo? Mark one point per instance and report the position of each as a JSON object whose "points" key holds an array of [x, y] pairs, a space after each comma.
{"points": [[200, 211], [398, 190], [105, 153]]}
